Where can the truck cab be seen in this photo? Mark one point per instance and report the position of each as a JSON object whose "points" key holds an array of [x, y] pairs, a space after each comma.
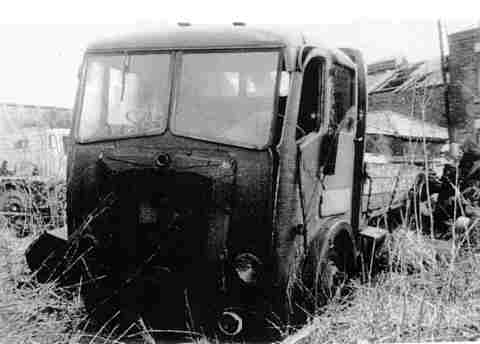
{"points": [[216, 171]]}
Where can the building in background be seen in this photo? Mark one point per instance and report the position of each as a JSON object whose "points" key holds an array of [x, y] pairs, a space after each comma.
{"points": [[33, 140], [406, 88], [406, 116], [394, 154], [23, 116], [394, 136], [464, 90], [406, 101]]}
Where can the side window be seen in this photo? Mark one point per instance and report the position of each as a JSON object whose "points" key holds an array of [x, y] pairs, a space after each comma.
{"points": [[309, 116], [343, 97], [341, 103]]}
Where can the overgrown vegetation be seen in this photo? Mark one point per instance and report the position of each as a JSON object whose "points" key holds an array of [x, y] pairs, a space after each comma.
{"points": [[423, 292], [426, 290], [31, 312]]}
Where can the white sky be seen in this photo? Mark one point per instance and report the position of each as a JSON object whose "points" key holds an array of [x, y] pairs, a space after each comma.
{"points": [[41, 42]]}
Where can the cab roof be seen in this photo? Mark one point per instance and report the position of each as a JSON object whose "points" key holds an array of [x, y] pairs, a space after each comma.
{"points": [[198, 37], [203, 37]]}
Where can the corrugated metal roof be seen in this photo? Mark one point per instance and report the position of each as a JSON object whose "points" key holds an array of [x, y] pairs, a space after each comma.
{"points": [[377, 79], [421, 74], [427, 74], [396, 124]]}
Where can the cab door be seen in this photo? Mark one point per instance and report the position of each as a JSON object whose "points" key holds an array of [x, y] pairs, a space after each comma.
{"points": [[312, 127], [338, 153], [325, 140]]}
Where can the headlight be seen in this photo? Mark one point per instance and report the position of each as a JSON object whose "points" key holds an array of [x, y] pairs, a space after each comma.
{"points": [[248, 267], [230, 323]]}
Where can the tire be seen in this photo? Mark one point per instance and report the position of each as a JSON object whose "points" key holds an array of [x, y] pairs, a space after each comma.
{"points": [[15, 201], [328, 268]]}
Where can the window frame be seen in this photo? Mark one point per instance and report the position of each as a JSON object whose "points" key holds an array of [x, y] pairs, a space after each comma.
{"points": [[173, 82], [176, 94], [352, 90], [83, 78]]}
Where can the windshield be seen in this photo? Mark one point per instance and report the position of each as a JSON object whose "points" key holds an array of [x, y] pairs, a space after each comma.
{"points": [[227, 97], [125, 95]]}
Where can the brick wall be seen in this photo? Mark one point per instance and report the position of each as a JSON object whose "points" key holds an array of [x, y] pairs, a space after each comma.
{"points": [[404, 102], [464, 66]]}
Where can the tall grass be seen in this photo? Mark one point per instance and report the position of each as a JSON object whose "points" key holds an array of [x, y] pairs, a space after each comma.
{"points": [[30, 312], [425, 293], [421, 295]]}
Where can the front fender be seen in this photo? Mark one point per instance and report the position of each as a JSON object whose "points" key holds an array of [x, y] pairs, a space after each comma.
{"points": [[336, 232]]}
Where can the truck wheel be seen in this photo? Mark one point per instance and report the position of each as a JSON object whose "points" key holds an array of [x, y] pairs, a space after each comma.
{"points": [[15, 201], [328, 267]]}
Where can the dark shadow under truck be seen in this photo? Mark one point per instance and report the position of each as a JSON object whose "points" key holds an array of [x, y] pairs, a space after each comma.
{"points": [[214, 179]]}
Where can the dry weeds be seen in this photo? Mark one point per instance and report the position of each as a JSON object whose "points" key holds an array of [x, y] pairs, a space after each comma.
{"points": [[30, 312], [422, 296]]}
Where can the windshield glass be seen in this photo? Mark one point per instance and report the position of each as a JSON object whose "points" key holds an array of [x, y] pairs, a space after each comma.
{"points": [[125, 95], [227, 97]]}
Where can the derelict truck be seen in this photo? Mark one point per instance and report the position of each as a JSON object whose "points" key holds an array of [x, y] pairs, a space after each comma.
{"points": [[217, 172]]}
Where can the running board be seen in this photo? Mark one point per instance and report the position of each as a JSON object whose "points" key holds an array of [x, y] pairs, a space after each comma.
{"points": [[375, 234]]}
